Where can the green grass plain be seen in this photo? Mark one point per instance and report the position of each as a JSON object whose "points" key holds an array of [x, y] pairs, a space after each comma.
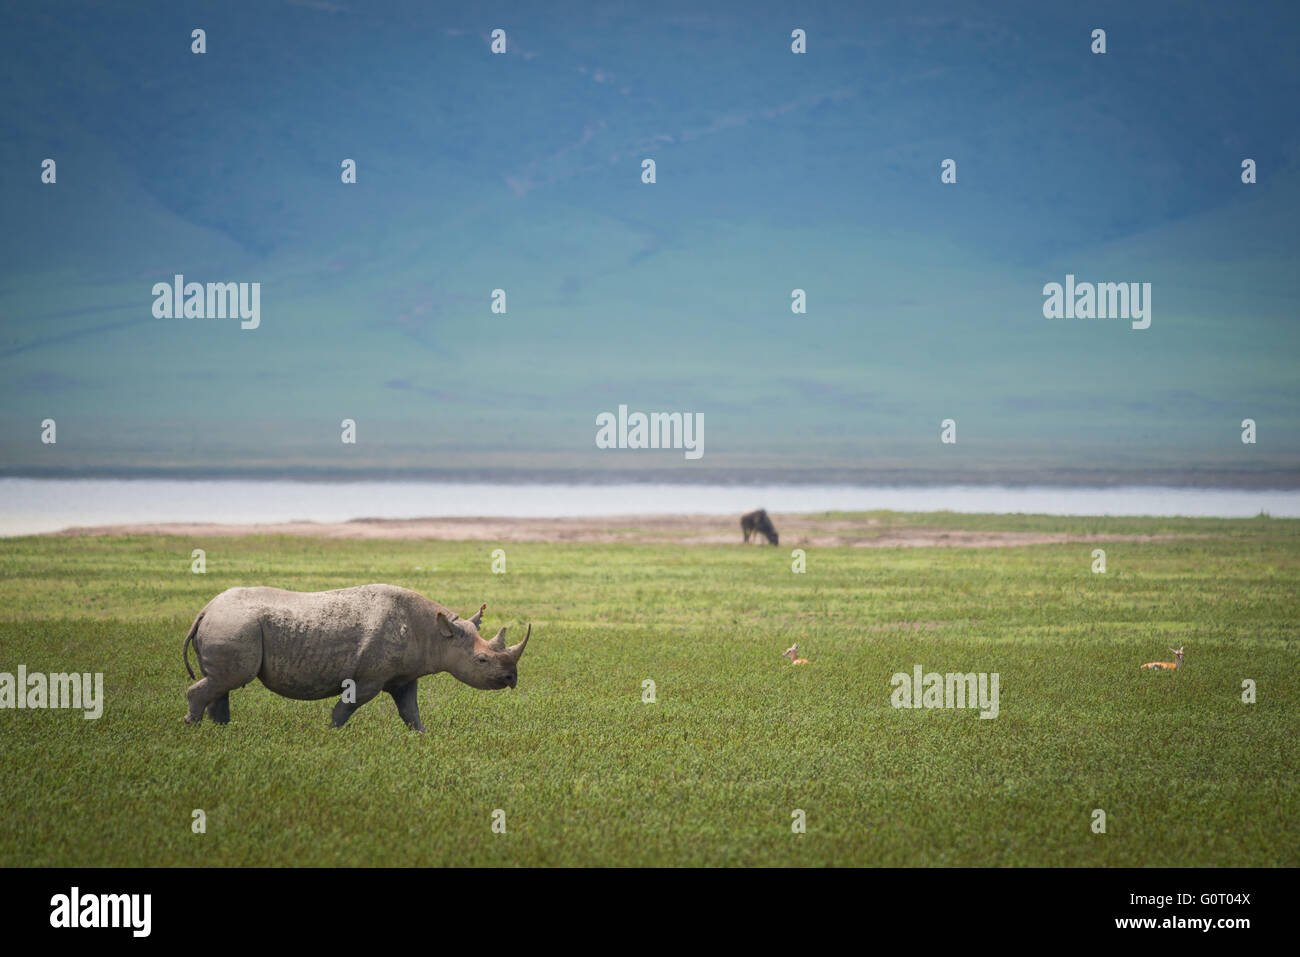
{"points": [[709, 774]]}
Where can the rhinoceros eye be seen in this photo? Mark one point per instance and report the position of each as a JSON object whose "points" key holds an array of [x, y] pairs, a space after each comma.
{"points": [[482, 659]]}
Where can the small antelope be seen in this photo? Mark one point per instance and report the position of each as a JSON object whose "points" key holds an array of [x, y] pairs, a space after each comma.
{"points": [[1167, 665], [793, 654]]}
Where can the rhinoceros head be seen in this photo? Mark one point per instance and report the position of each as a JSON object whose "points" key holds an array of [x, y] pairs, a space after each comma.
{"points": [[488, 665]]}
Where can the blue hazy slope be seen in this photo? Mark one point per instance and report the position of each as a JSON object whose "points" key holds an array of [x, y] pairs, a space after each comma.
{"points": [[775, 172]]}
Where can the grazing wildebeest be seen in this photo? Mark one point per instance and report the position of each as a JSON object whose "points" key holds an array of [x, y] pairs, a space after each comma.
{"points": [[758, 521]]}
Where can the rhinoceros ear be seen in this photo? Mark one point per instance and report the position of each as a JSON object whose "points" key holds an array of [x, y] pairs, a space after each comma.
{"points": [[498, 643], [514, 651], [477, 618], [444, 625]]}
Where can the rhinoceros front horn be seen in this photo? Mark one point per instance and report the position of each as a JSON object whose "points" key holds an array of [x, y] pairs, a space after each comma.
{"points": [[498, 643], [516, 650]]}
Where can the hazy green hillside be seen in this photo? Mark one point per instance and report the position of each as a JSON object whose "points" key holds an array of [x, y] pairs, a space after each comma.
{"points": [[521, 172]]}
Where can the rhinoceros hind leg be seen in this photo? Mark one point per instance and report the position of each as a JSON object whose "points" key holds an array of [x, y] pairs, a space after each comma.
{"points": [[343, 710], [200, 695], [408, 704], [219, 710]]}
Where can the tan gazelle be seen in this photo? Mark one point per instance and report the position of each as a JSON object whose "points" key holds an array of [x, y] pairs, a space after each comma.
{"points": [[1167, 665]]}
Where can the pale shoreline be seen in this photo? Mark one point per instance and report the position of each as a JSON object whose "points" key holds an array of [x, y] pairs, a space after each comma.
{"points": [[38, 506], [799, 531]]}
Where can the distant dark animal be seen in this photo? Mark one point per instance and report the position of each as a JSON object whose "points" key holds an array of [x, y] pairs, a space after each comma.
{"points": [[753, 522]]}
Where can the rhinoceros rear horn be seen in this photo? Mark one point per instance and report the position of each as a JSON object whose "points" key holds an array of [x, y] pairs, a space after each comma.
{"points": [[498, 642], [516, 650]]}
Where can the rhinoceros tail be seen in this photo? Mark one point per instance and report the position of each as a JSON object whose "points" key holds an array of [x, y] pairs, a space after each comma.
{"points": [[185, 648]]}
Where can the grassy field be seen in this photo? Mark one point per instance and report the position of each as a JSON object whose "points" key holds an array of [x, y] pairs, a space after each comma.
{"points": [[737, 739]]}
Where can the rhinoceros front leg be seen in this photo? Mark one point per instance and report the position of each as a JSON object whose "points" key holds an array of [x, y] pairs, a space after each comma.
{"points": [[408, 704], [344, 709]]}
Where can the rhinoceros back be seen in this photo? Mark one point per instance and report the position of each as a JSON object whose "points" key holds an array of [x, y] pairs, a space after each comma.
{"points": [[313, 641]]}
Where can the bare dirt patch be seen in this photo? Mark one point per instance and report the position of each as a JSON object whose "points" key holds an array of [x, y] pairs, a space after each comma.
{"points": [[799, 531]]}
